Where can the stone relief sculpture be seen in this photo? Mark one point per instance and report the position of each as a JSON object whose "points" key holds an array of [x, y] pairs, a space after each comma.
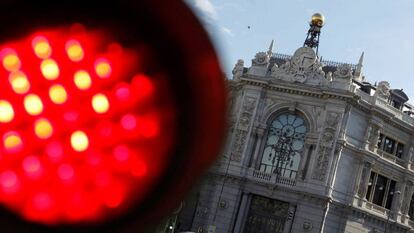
{"points": [[304, 67], [325, 147], [383, 90], [329, 76], [243, 127], [261, 59], [344, 71], [238, 69], [374, 134]]}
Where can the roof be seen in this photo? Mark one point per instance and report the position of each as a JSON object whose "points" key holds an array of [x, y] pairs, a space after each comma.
{"points": [[399, 93]]}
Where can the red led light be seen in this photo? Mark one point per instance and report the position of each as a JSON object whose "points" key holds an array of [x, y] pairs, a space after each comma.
{"points": [[82, 126]]}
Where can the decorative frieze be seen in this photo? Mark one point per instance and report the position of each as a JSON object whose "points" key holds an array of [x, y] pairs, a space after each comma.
{"points": [[304, 67]]}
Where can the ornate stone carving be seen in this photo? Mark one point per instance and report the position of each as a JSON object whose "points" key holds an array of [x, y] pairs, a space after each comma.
{"points": [[374, 133], [240, 141], [317, 112], [342, 77], [329, 76], [307, 225], [238, 69], [243, 127], [261, 59], [344, 71], [304, 67], [326, 146], [383, 90], [364, 176], [332, 120]]}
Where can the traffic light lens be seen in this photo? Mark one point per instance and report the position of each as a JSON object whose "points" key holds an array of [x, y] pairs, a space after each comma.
{"points": [[85, 127]]}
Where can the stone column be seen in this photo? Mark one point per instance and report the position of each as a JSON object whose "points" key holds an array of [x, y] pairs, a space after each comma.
{"points": [[260, 130], [363, 182], [406, 201], [304, 159], [396, 200], [374, 133], [367, 135], [408, 157], [241, 216]]}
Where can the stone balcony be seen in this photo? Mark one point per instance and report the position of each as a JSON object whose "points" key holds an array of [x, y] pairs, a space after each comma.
{"points": [[269, 178]]}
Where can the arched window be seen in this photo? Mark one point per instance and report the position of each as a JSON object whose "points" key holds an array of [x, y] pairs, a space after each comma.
{"points": [[284, 145]]}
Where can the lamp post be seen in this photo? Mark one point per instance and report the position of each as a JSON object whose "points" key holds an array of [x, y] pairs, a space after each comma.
{"points": [[389, 213]]}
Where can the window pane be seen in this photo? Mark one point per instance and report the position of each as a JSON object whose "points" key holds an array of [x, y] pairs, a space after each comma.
{"points": [[400, 150], [389, 145], [379, 191]]}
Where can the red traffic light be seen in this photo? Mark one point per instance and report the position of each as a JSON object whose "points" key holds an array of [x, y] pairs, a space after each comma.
{"points": [[108, 113], [81, 124]]}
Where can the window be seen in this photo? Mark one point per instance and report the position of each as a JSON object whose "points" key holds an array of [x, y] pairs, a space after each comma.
{"points": [[400, 150], [284, 144], [390, 145], [396, 104], [380, 190], [266, 215]]}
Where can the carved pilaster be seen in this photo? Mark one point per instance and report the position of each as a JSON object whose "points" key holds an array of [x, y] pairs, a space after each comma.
{"points": [[363, 182], [409, 157], [260, 131], [408, 192], [326, 146], [243, 128], [397, 199], [374, 133]]}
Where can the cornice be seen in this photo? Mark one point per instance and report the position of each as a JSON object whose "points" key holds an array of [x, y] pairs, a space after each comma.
{"points": [[325, 93]]}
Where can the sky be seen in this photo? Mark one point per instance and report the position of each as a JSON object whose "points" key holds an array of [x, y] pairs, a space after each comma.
{"points": [[383, 29]]}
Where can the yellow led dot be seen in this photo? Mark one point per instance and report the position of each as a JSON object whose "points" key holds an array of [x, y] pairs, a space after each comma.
{"points": [[57, 94], [74, 50], [12, 141], [6, 111], [100, 103], [11, 62], [33, 104], [103, 69], [82, 80], [43, 128], [50, 69], [41, 47], [79, 141], [19, 82]]}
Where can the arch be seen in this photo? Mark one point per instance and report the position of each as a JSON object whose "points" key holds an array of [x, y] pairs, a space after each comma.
{"points": [[284, 143], [272, 111]]}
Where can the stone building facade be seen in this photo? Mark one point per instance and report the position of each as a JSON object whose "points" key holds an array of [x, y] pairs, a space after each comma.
{"points": [[311, 148]]}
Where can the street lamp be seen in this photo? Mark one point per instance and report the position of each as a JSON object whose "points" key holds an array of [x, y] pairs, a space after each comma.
{"points": [[389, 213]]}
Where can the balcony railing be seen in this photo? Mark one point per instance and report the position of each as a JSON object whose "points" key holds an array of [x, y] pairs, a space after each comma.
{"points": [[270, 178]]}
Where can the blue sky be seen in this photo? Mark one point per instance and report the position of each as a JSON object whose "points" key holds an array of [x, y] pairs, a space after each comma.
{"points": [[383, 29]]}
